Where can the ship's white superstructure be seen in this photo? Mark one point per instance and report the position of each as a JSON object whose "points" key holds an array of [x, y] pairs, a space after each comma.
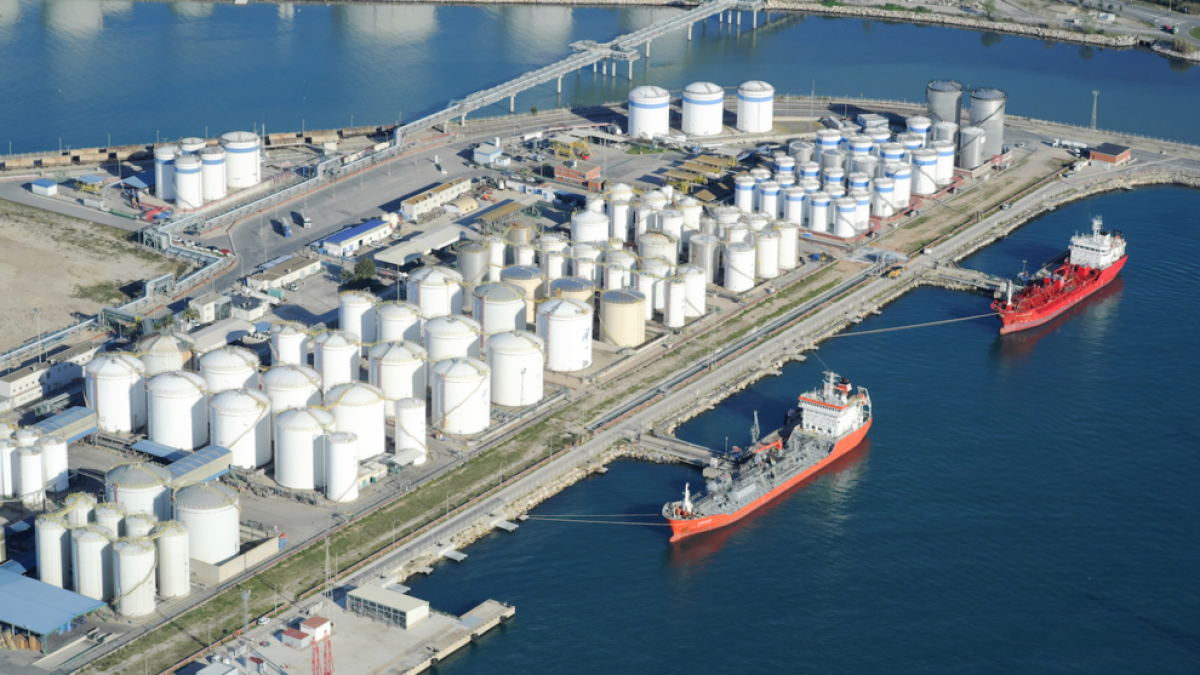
{"points": [[833, 411], [1097, 250]]}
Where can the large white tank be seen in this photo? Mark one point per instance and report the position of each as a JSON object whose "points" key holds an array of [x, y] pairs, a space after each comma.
{"points": [[140, 524], [356, 314], [461, 396], [692, 212], [768, 199], [78, 507], [361, 409], [659, 269], [945, 131], [743, 194], [133, 574], [53, 545], [174, 569], [192, 145], [165, 352], [178, 410], [944, 169], [903, 175], [705, 250], [111, 517], [8, 479], [531, 280], [210, 511], [659, 245], [739, 267], [819, 204], [341, 466], [620, 214], [589, 226], [496, 247], [115, 388], [229, 368], [649, 112], [920, 125], [565, 325], [517, 359], [91, 562], [291, 386], [674, 315], [843, 224], [300, 446], [623, 318], [189, 189], [28, 437], [240, 420], [793, 205], [336, 356], [139, 486], [882, 203], [452, 336], [212, 173], [756, 106], [499, 307], [862, 209], [703, 109], [656, 200], [647, 284], [970, 148], [243, 162], [398, 369], [54, 463], [289, 343], [987, 111], [858, 180], [397, 321], [695, 299], [554, 264], [164, 171], [766, 254], [410, 427], [585, 260], [437, 291], [924, 180], [789, 245], [827, 140], [472, 264]]}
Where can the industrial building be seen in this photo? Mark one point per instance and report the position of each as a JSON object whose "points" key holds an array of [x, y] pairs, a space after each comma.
{"points": [[487, 153], [287, 272], [1111, 153], [39, 380], [582, 174], [387, 606], [348, 241], [420, 205], [211, 307]]}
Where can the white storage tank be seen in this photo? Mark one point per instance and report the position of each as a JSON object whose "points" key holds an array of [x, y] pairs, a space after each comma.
{"points": [[229, 368], [566, 327], [437, 291], [862, 209], [336, 356], [165, 352], [554, 264], [789, 245], [461, 396], [174, 569], [573, 287], [987, 112], [164, 171], [473, 260], [585, 261], [178, 410], [696, 298], [945, 131], [133, 573], [675, 290], [398, 321], [944, 169], [924, 181], [192, 145], [140, 524], [944, 100], [289, 343], [189, 190], [902, 174], [882, 204], [138, 486], [766, 254], [300, 447], [843, 224], [291, 386], [240, 420], [659, 270], [743, 194], [647, 284], [243, 162], [971, 148], [705, 250], [410, 428], [531, 280], [361, 409], [768, 199], [53, 544], [623, 318], [499, 307], [398, 369], [8, 479], [111, 517], [91, 562], [54, 463], [210, 512], [620, 214], [517, 359], [589, 226], [341, 466], [659, 245], [920, 125], [452, 336], [649, 112], [819, 204], [356, 314], [78, 508], [739, 267], [703, 109], [756, 105], [212, 173], [670, 222], [115, 388], [793, 205]]}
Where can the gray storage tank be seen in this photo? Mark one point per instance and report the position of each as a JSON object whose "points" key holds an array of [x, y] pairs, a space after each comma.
{"points": [[944, 100], [987, 112]]}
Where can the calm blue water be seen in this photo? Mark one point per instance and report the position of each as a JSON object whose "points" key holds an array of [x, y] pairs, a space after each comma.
{"points": [[79, 71], [1025, 504]]}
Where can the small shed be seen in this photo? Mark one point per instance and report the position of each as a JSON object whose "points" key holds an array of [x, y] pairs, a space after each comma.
{"points": [[296, 639], [463, 205], [318, 627], [1111, 153], [44, 187], [486, 153]]}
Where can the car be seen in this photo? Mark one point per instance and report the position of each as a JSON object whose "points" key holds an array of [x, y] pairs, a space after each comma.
{"points": [[226, 251], [264, 620]]}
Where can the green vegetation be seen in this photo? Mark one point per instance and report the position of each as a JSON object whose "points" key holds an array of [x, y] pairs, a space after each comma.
{"points": [[832, 3], [103, 293], [1195, 32], [893, 7], [1184, 45], [643, 150], [989, 8]]}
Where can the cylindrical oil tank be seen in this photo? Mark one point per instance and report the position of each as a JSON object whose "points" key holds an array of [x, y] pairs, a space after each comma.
{"points": [[336, 355], [620, 214], [114, 386], [192, 145], [210, 511], [229, 368], [623, 318], [451, 336], [692, 213], [111, 517], [784, 164], [819, 204], [356, 314], [743, 193], [28, 437], [551, 243], [859, 146], [595, 203], [827, 140], [879, 135], [585, 261], [178, 410], [341, 466], [396, 321], [858, 181], [868, 165], [987, 111], [496, 250], [174, 569], [755, 111], [133, 574], [945, 131], [525, 255], [659, 245], [649, 112], [79, 507], [903, 175], [705, 250], [212, 173], [165, 352], [360, 408], [566, 327], [575, 288], [289, 343], [614, 276], [398, 369], [240, 420], [461, 395], [793, 205], [518, 362], [739, 267], [843, 224], [530, 280], [499, 307], [862, 210], [703, 109], [139, 486], [53, 544], [554, 264], [91, 562], [883, 205], [944, 100], [670, 222], [696, 298], [972, 141], [436, 290], [243, 161], [520, 233], [589, 226], [164, 171], [473, 260], [410, 427], [659, 269], [944, 169], [768, 199], [674, 315], [766, 254], [624, 260], [801, 151], [299, 447], [925, 171], [919, 125], [291, 386], [54, 463], [831, 160], [8, 479], [789, 245], [140, 524], [189, 188], [647, 284]]}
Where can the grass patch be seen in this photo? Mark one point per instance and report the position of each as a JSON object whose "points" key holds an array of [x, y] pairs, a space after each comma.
{"points": [[103, 293], [893, 7], [639, 150], [832, 3], [1195, 32]]}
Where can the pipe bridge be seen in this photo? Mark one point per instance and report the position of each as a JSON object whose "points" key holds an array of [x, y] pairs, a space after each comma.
{"points": [[979, 280]]}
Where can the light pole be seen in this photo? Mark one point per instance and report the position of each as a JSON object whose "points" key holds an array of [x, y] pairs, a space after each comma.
{"points": [[394, 530], [37, 313]]}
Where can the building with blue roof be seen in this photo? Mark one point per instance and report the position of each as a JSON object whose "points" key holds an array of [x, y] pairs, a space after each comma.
{"points": [[29, 606], [345, 243], [44, 187]]}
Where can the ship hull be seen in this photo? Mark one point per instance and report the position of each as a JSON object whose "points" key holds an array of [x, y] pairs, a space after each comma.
{"points": [[1019, 321], [687, 528]]}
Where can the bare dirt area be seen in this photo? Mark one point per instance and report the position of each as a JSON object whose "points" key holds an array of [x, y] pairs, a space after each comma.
{"points": [[67, 267]]}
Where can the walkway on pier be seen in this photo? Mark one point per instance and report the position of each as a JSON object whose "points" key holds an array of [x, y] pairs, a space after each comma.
{"points": [[984, 282]]}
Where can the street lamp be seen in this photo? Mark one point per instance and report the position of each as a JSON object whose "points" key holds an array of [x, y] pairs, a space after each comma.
{"points": [[394, 530], [37, 313]]}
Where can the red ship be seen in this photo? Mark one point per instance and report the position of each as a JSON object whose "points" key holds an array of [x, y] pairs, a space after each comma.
{"points": [[1093, 261]]}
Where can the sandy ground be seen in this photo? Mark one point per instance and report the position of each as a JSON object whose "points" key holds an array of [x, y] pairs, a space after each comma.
{"points": [[66, 267]]}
